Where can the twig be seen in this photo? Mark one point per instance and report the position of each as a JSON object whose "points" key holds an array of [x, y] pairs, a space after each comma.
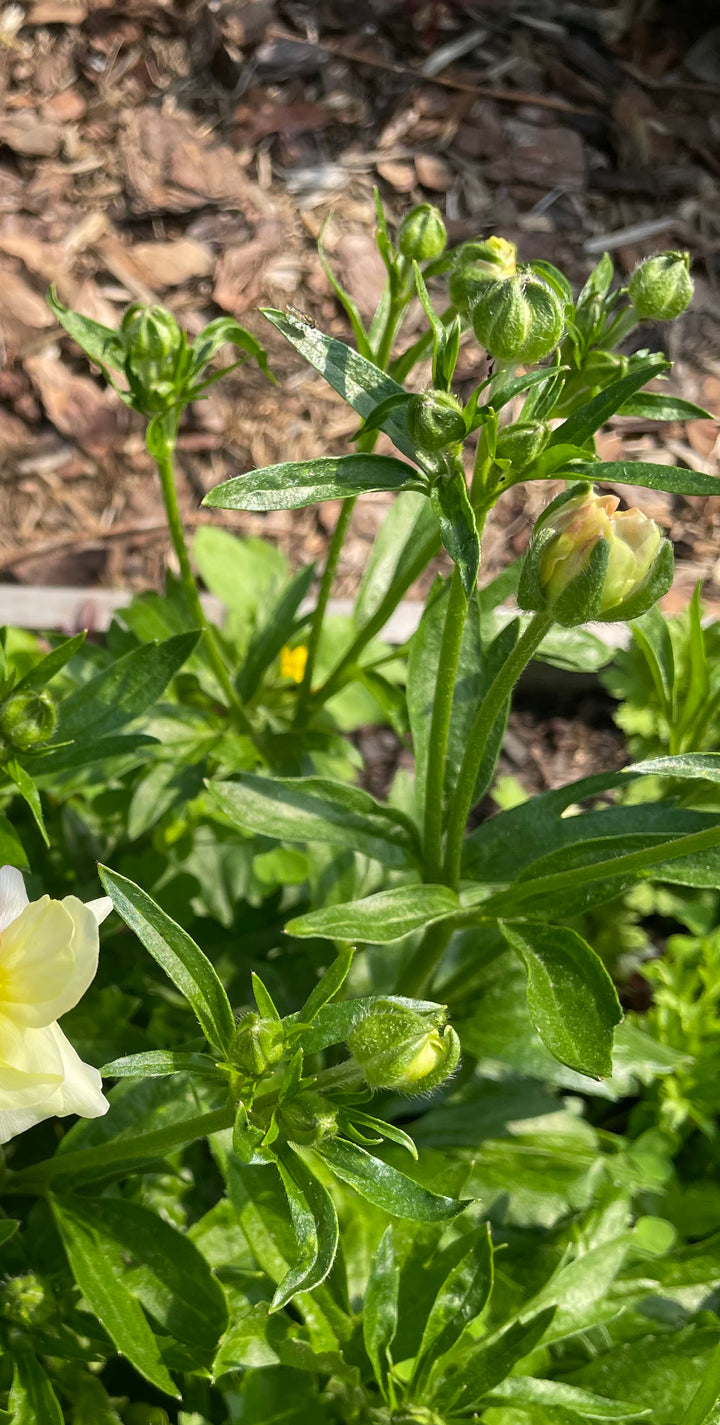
{"points": [[506, 96], [94, 540]]}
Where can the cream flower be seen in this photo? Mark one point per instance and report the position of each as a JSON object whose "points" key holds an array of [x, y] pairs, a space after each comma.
{"points": [[48, 958]]}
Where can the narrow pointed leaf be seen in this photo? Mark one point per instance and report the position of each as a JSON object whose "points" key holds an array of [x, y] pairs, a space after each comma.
{"points": [[380, 1308], [385, 1186], [177, 954], [380, 918], [298, 483], [673, 478]]}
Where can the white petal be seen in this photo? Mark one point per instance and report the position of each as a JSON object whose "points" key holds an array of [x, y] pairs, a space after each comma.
{"points": [[14, 1121], [48, 957], [81, 1089], [13, 896], [100, 908], [31, 1066]]}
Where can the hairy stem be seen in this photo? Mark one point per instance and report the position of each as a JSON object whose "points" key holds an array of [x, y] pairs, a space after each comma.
{"points": [[164, 462], [482, 727], [440, 727]]}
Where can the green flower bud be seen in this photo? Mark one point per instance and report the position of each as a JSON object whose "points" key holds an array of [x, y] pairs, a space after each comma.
{"points": [[661, 287], [259, 1044], [522, 442], [153, 343], [477, 263], [590, 560], [399, 1048], [27, 719], [27, 1301], [422, 234], [142, 1414], [519, 318], [435, 419], [308, 1118]]}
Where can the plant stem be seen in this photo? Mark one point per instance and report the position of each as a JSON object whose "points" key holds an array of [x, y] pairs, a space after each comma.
{"points": [[482, 727], [319, 611], [423, 962], [164, 462], [440, 727], [338, 676]]}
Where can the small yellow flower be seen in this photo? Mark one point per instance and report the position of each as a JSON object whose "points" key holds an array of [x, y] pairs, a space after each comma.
{"points": [[292, 662], [48, 958]]}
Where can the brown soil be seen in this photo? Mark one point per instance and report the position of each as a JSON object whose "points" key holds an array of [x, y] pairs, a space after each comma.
{"points": [[190, 153]]}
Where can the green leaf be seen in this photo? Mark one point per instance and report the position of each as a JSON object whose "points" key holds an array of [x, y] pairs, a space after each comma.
{"points": [[653, 477], [703, 1408], [315, 1225], [379, 415], [380, 918], [264, 1000], [380, 1308], [29, 793], [521, 1391], [298, 483], [582, 425], [116, 1309], [451, 504], [554, 278], [505, 391], [409, 530], [598, 283], [462, 1298], [166, 1271], [326, 989], [156, 1063], [103, 345], [124, 690], [651, 406], [8, 1228], [346, 301], [479, 1370], [182, 960], [571, 998], [41, 673], [315, 809], [359, 382], [384, 1186], [272, 633], [32, 1400], [221, 332]]}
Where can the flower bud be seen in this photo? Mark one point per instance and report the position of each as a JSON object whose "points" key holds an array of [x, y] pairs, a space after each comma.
{"points": [[399, 1048], [27, 719], [522, 442], [476, 264], [308, 1118], [590, 560], [519, 318], [416, 1415], [153, 342], [27, 1300], [435, 419], [422, 234], [661, 287], [259, 1044]]}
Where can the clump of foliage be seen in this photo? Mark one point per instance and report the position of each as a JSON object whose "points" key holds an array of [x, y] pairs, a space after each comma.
{"points": [[428, 1173]]}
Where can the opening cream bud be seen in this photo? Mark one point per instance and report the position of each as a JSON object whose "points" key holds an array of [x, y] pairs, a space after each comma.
{"points": [[661, 287], [634, 542], [477, 263], [401, 1049]]}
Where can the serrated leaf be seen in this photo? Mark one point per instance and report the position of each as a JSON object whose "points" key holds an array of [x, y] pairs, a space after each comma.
{"points": [[572, 1000], [177, 954]]}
